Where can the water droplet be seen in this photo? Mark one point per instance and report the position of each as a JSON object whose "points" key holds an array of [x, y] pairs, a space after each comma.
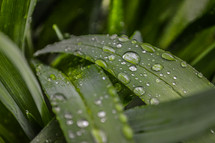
{"points": [[133, 41], [157, 67], [52, 76], [168, 56], [67, 116], [212, 131], [58, 97], [113, 36], [147, 47], [71, 135], [111, 57], [127, 131], [123, 78], [168, 72], [118, 87], [154, 101], [101, 63], [99, 136], [119, 45], [122, 118], [123, 63], [123, 39], [69, 122], [132, 68], [158, 80], [173, 83], [200, 75], [78, 53], [174, 77], [111, 71], [119, 107], [131, 57], [82, 123], [98, 102], [184, 64], [101, 114], [108, 49], [139, 91], [56, 82]]}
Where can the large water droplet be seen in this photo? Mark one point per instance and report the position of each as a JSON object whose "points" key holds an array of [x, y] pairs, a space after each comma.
{"points": [[184, 64], [131, 57], [108, 49], [154, 101], [139, 91], [157, 67], [82, 123], [147, 47], [101, 63], [127, 131], [132, 68], [123, 78], [168, 56]]}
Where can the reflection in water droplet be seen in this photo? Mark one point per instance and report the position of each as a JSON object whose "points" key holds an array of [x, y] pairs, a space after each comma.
{"points": [[168, 56], [139, 91], [101, 63], [82, 123], [157, 67], [184, 64], [123, 78], [154, 101], [108, 49], [147, 47], [131, 57], [132, 68]]}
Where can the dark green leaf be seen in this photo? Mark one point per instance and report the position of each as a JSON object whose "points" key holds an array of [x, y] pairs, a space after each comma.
{"points": [[153, 74], [174, 121]]}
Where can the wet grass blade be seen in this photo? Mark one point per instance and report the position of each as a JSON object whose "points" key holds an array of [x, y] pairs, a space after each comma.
{"points": [[20, 81], [151, 73], [174, 121], [50, 134], [15, 19], [87, 115]]}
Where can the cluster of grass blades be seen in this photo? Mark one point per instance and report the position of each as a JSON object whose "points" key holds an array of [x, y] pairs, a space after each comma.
{"points": [[107, 88]]}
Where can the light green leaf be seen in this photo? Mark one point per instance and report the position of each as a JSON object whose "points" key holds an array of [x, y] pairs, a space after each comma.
{"points": [[149, 72], [174, 121]]}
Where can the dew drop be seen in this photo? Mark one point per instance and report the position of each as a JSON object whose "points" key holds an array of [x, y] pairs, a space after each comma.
{"points": [[82, 123], [123, 39], [58, 97], [131, 57], [200, 75], [154, 101], [132, 68], [123, 78], [98, 102], [168, 72], [71, 135], [174, 77], [158, 80], [184, 64], [127, 131], [99, 136], [78, 53], [111, 57], [101, 63], [118, 87], [212, 131], [67, 116], [108, 49], [119, 45], [168, 56], [147, 47], [101, 114], [157, 67], [139, 91], [69, 122]]}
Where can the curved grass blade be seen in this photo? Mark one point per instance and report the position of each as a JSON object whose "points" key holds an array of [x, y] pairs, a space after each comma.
{"points": [[10, 130], [153, 74], [17, 76], [50, 134], [174, 121], [83, 116], [15, 19]]}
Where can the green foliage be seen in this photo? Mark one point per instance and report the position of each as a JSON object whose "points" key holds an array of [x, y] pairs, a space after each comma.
{"points": [[102, 87]]}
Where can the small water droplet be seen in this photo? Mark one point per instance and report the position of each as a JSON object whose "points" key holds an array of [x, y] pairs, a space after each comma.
{"points": [[154, 101], [108, 49], [184, 64], [119, 45], [118, 87], [82, 123], [56, 82], [101, 114], [99, 136], [127, 131], [123, 39], [168, 56], [122, 118], [212, 131], [131, 57], [157, 67], [174, 77], [58, 97], [71, 134], [113, 36], [147, 47], [52, 76], [133, 41], [200, 75], [168, 72], [101, 63], [119, 107], [69, 122], [111, 57], [67, 116], [98, 102], [123, 63], [123, 78], [173, 83], [139, 91], [132, 68], [158, 80], [78, 53]]}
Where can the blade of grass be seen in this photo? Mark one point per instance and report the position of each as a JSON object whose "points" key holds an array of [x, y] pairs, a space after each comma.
{"points": [[22, 71], [15, 19], [174, 121], [153, 74]]}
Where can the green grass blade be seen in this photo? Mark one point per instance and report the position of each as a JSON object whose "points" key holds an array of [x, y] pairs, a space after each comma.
{"points": [[27, 91], [15, 19], [50, 134], [153, 74], [174, 121], [87, 106], [116, 21]]}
